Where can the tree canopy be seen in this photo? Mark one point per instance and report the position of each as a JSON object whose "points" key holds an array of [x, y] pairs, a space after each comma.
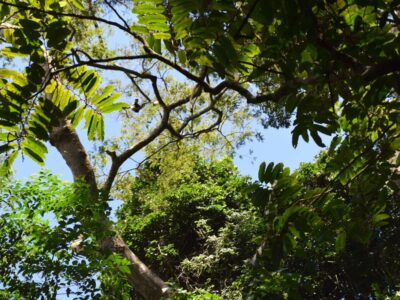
{"points": [[183, 70]]}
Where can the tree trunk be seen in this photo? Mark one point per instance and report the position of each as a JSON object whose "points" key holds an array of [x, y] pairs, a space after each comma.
{"points": [[65, 139], [67, 142]]}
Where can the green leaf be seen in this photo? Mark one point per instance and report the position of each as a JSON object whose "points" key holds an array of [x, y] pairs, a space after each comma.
{"points": [[151, 19], [268, 172], [107, 102], [106, 92], [115, 107], [36, 157], [6, 166], [340, 240], [30, 23], [100, 127], [39, 130], [304, 134], [147, 9], [182, 56], [156, 45], [7, 136], [60, 97], [14, 75], [295, 136], [71, 107], [380, 219], [317, 139], [78, 4], [225, 51], [12, 52], [124, 269], [277, 172], [335, 142], [91, 125], [6, 147], [90, 82], [139, 29], [34, 148], [77, 117], [261, 171], [162, 36]]}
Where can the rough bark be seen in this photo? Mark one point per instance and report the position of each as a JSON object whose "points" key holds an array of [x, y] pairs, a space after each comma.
{"points": [[67, 142]]}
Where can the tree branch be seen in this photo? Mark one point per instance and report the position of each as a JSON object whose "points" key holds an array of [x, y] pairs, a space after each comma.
{"points": [[118, 160], [117, 14], [374, 72], [246, 19]]}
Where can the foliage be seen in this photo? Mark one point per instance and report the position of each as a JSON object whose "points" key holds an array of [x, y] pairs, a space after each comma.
{"points": [[329, 67], [298, 238], [325, 239], [37, 226], [40, 220], [197, 233]]}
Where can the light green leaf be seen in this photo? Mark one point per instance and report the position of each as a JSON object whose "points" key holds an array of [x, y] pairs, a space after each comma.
{"points": [[91, 83], [34, 149], [6, 166], [148, 9], [100, 127], [139, 29], [35, 145], [106, 102], [78, 4], [14, 75], [115, 107], [11, 52], [380, 218], [182, 56], [162, 35], [91, 126], [77, 117], [106, 92]]}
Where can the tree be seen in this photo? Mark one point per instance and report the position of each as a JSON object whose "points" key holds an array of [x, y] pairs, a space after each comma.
{"points": [[197, 233], [332, 64], [326, 239], [39, 219]]}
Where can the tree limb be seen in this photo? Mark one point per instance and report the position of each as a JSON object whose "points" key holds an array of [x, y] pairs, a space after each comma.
{"points": [[380, 69]]}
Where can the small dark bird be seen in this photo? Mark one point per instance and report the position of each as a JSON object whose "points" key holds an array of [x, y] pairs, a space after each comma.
{"points": [[136, 106]]}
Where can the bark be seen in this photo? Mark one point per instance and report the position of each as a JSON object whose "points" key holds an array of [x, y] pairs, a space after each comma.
{"points": [[67, 142]]}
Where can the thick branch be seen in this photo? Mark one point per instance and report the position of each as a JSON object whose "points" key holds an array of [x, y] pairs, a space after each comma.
{"points": [[340, 56], [374, 72], [67, 142], [115, 58]]}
